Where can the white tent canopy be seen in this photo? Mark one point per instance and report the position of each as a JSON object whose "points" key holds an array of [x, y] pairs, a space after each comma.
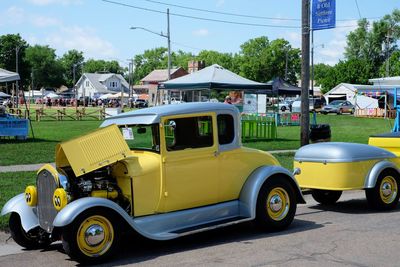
{"points": [[106, 96], [52, 96], [4, 95], [8, 76]]}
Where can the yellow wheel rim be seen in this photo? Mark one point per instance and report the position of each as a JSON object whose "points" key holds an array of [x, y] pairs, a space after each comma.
{"points": [[388, 189], [278, 204], [95, 236]]}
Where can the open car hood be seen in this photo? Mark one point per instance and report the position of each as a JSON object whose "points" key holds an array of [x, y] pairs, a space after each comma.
{"points": [[92, 151]]}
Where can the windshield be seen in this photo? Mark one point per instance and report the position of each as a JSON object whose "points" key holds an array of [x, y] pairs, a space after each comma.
{"points": [[336, 103], [141, 137]]}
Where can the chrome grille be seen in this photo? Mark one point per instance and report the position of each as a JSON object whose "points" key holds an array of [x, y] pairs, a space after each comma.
{"points": [[46, 184]]}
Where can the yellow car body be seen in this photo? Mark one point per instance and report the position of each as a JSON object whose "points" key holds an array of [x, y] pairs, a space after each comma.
{"points": [[332, 167], [164, 171]]}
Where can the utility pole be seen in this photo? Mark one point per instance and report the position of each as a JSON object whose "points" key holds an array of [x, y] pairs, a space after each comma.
{"points": [[16, 70], [388, 53], [305, 72]]}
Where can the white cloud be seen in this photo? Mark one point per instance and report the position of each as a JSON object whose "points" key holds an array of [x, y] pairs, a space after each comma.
{"points": [[220, 3], [200, 32], [40, 21], [49, 2], [294, 38], [81, 39], [13, 15]]}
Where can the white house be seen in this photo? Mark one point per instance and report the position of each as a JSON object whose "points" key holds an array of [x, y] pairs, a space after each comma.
{"points": [[93, 85]]}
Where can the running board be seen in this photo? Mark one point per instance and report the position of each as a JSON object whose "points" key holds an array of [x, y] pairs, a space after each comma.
{"points": [[179, 223], [211, 225]]}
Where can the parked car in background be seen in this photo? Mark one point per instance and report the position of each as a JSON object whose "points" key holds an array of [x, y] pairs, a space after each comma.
{"points": [[140, 103], [338, 107], [314, 103], [285, 105]]}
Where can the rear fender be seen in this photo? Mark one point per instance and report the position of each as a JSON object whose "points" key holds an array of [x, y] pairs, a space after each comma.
{"points": [[372, 176], [249, 194], [17, 204]]}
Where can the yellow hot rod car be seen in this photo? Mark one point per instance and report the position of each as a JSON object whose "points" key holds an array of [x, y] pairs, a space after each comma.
{"points": [[164, 172], [330, 168]]}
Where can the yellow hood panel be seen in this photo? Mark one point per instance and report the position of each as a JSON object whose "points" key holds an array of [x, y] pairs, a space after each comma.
{"points": [[92, 151]]}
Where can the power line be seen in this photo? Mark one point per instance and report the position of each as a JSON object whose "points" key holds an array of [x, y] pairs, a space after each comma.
{"points": [[358, 9], [187, 46], [204, 19], [241, 15], [221, 13], [214, 20]]}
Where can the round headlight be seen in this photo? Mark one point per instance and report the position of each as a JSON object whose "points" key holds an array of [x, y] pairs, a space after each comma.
{"points": [[60, 199], [31, 195]]}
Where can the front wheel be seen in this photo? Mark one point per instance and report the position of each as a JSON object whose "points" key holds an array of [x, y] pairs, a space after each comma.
{"points": [[34, 239], [92, 237], [385, 195], [326, 197], [276, 204]]}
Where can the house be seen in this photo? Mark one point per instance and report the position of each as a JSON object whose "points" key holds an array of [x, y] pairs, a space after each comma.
{"points": [[93, 85], [151, 81]]}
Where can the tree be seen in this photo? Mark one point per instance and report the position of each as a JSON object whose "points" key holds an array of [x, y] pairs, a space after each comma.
{"points": [[68, 60], [394, 65], [374, 44], [181, 59], [211, 57], [150, 60], [47, 71], [8, 45], [262, 60], [324, 76], [93, 66]]}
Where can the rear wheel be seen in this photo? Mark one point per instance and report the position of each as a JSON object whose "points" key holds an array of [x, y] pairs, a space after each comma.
{"points": [[92, 237], [276, 204], [34, 239], [283, 108], [385, 194], [326, 197]]}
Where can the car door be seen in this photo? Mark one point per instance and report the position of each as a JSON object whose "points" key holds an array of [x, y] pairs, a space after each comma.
{"points": [[190, 166]]}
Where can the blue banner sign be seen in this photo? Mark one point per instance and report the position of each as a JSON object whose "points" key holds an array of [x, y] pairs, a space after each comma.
{"points": [[323, 14]]}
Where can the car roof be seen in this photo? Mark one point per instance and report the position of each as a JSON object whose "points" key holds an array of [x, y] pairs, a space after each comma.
{"points": [[153, 114]]}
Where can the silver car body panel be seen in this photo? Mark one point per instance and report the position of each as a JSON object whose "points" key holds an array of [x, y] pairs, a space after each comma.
{"points": [[249, 194], [335, 152], [372, 177], [160, 226], [29, 219], [179, 223], [154, 115]]}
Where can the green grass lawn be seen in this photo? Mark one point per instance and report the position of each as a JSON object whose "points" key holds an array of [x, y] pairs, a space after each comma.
{"points": [[49, 133]]}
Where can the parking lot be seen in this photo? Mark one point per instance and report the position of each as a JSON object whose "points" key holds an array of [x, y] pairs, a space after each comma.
{"points": [[347, 234]]}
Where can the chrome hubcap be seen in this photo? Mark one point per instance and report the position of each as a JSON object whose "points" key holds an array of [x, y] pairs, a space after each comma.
{"points": [[386, 189], [94, 235], [275, 203]]}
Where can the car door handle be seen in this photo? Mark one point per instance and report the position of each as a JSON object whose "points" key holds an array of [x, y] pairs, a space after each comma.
{"points": [[216, 153]]}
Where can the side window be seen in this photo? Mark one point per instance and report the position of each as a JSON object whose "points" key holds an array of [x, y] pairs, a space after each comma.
{"points": [[226, 130], [193, 132]]}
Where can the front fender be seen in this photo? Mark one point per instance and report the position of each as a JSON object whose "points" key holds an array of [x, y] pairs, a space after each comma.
{"points": [[372, 177], [249, 194], [29, 219], [68, 214]]}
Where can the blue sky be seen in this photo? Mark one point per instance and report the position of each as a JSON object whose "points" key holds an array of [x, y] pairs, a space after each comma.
{"points": [[101, 29]]}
